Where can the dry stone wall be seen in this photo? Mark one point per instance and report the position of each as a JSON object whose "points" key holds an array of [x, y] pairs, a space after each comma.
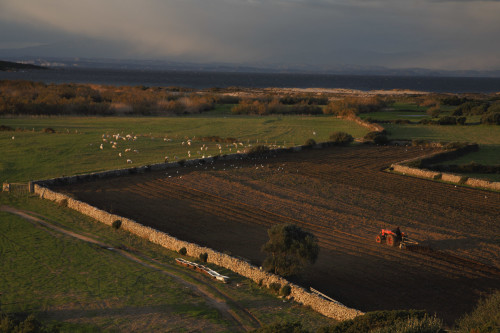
{"points": [[330, 309], [401, 167]]}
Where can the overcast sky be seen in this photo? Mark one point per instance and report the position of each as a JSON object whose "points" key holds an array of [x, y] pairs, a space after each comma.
{"points": [[438, 34]]}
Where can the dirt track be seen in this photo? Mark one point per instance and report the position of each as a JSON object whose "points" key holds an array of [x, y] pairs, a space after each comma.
{"points": [[342, 196], [212, 295]]}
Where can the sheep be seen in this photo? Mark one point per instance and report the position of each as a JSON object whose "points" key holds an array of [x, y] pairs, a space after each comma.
{"points": [[136, 151], [127, 150], [101, 147], [120, 154], [129, 161]]}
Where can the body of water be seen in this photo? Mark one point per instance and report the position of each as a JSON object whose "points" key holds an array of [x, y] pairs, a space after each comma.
{"points": [[205, 79]]}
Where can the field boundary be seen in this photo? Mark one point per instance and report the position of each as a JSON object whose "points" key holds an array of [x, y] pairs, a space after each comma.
{"points": [[335, 310], [403, 168]]}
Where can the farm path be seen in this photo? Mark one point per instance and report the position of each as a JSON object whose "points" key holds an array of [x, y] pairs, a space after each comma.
{"points": [[214, 297]]}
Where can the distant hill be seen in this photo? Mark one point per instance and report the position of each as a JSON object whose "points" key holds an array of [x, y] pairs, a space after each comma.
{"points": [[15, 66]]}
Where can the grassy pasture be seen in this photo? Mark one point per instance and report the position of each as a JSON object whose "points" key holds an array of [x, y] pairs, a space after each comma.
{"points": [[481, 134], [74, 148], [87, 288]]}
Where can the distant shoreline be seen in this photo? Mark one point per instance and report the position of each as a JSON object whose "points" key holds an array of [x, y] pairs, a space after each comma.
{"points": [[205, 80], [15, 66]]}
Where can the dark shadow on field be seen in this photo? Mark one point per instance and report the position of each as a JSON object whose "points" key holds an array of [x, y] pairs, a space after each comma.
{"points": [[467, 243], [368, 283]]}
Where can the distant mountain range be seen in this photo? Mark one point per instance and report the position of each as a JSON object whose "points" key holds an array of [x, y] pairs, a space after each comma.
{"points": [[69, 62]]}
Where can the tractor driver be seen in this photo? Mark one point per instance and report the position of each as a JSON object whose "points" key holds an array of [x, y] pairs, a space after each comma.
{"points": [[397, 231]]}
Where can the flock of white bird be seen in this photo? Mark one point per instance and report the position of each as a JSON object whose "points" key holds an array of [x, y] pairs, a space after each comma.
{"points": [[204, 151]]}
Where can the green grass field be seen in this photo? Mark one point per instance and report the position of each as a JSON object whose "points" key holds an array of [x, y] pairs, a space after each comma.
{"points": [[89, 288], [74, 148]]}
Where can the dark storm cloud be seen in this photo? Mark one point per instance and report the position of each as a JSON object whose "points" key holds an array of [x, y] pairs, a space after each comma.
{"points": [[428, 33]]}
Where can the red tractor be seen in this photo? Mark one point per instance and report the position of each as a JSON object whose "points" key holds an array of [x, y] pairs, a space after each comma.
{"points": [[393, 238]]}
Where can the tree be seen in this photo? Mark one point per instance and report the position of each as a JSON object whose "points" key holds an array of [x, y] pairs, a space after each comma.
{"points": [[289, 249]]}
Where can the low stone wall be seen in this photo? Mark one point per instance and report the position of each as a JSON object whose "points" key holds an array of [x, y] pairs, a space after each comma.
{"points": [[447, 177], [405, 170], [371, 126], [330, 309]]}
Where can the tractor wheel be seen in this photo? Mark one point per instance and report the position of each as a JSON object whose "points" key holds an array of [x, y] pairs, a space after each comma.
{"points": [[379, 239], [391, 240]]}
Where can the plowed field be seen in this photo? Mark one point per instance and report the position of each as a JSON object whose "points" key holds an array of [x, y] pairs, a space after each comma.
{"points": [[344, 198]]}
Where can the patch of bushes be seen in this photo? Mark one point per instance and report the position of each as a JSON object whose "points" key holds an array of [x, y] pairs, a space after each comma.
{"points": [[204, 257], [5, 128], [275, 287], [420, 142], [492, 118], [183, 251], [259, 150], [285, 290], [9, 323], [282, 327], [379, 138], [63, 203], [375, 320], [341, 138], [48, 130], [116, 224], [215, 138], [485, 318], [447, 120], [471, 167], [310, 142]]}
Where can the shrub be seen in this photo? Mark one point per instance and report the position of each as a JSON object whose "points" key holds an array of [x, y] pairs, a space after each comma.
{"points": [[275, 287], [341, 138], [426, 324], [461, 120], [63, 203], [285, 290], [49, 130], [447, 120], [9, 323], [374, 320], [377, 137], [259, 150], [310, 142], [116, 224], [5, 128], [281, 327], [433, 111], [183, 251], [289, 249], [485, 318], [204, 257], [419, 142], [492, 118]]}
